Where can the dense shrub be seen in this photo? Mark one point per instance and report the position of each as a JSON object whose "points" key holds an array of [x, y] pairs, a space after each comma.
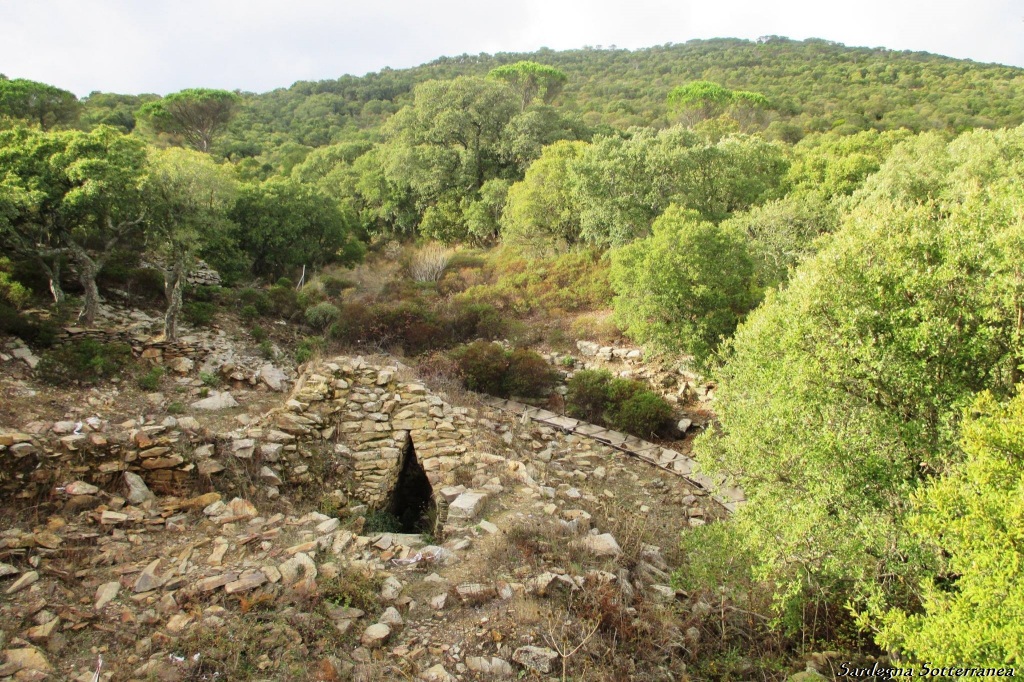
{"points": [[86, 361], [36, 333], [623, 404], [408, 325], [284, 300], [198, 313], [528, 374], [484, 366], [309, 347], [150, 381], [322, 315], [475, 320], [256, 298], [333, 286], [643, 414], [587, 398]]}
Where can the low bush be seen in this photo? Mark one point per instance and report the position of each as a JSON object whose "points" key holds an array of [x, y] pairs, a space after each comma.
{"points": [[38, 333], [256, 298], [150, 381], [587, 398], [333, 286], [469, 321], [484, 366], [322, 315], [86, 361], [428, 263], [198, 313], [259, 334], [249, 313], [528, 375], [284, 300], [309, 347], [623, 404], [643, 414]]}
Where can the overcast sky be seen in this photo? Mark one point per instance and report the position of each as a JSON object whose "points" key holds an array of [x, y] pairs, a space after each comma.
{"points": [[135, 46]]}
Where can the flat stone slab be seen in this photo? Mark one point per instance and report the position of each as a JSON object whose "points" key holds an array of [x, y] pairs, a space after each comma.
{"points": [[563, 422], [466, 506], [585, 429], [611, 437]]}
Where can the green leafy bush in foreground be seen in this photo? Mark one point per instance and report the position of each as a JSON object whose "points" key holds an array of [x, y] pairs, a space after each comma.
{"points": [[84, 360]]}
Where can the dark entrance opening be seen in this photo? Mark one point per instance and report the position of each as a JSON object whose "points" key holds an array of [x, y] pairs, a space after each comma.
{"points": [[412, 500]]}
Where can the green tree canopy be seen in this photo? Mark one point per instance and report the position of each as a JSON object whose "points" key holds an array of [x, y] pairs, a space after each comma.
{"points": [[283, 225], [39, 103], [189, 196], [685, 287], [842, 391], [972, 519], [196, 115], [530, 79]]}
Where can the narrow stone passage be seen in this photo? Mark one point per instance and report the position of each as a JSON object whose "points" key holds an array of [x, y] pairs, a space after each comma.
{"points": [[413, 497]]}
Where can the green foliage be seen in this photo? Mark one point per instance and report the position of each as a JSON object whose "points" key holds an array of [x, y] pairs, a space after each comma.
{"points": [[540, 212], [199, 313], [196, 115], [596, 396], [308, 348], [621, 184], [85, 361], [484, 366], [210, 379], [39, 103], [587, 398], [684, 288], [844, 389], [971, 518], [12, 292], [531, 79], [283, 225], [640, 412], [322, 315], [528, 375], [573, 282], [783, 233], [150, 381]]}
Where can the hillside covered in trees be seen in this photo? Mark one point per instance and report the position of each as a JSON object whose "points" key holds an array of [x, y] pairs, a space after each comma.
{"points": [[833, 236]]}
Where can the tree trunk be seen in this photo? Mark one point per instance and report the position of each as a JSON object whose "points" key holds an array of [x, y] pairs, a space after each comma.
{"points": [[53, 276], [173, 282], [87, 271]]}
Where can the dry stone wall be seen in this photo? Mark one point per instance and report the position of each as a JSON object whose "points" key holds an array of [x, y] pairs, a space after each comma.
{"points": [[372, 418]]}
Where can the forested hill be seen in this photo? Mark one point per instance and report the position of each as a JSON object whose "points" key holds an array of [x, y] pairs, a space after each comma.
{"points": [[813, 85]]}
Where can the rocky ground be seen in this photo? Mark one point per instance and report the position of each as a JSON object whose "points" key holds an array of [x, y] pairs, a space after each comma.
{"points": [[229, 542]]}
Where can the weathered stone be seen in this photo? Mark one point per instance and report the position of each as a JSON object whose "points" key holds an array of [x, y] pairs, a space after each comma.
{"points": [[436, 673], [299, 567], [22, 582], [81, 488], [391, 589], [105, 593], [28, 658], [216, 401], [391, 617], [138, 491], [475, 593], [149, 579], [466, 506], [375, 635], [602, 545], [538, 659], [494, 666], [249, 580], [274, 378]]}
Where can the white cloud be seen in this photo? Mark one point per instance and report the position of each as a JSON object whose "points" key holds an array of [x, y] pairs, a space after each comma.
{"points": [[165, 45]]}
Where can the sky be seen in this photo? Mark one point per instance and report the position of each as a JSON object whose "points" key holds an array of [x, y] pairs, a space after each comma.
{"points": [[161, 46]]}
